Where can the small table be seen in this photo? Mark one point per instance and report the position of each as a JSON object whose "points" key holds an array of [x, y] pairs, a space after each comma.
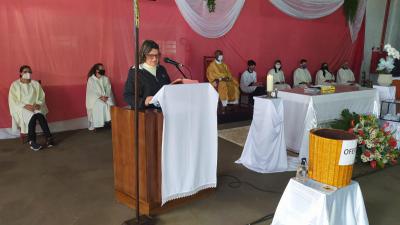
{"points": [[310, 204], [265, 148]]}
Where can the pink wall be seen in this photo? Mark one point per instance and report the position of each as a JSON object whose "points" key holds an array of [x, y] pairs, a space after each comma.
{"points": [[62, 39]]}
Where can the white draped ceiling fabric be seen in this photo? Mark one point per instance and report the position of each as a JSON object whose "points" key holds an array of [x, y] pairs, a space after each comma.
{"points": [[218, 23], [210, 25], [314, 9]]}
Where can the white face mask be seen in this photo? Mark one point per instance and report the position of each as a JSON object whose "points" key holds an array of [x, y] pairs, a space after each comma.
{"points": [[220, 58], [278, 66], [26, 76]]}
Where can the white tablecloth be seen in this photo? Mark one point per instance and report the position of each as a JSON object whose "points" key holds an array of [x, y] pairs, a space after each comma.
{"points": [[265, 148], [309, 204], [305, 112], [190, 139], [386, 92]]}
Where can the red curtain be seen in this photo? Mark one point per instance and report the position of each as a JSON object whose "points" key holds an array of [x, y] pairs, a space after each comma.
{"points": [[62, 39]]}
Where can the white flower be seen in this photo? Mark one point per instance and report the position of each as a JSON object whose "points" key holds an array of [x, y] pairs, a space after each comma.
{"points": [[387, 64], [364, 158]]}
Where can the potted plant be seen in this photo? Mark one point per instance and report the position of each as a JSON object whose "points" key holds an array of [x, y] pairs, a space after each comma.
{"points": [[386, 66]]}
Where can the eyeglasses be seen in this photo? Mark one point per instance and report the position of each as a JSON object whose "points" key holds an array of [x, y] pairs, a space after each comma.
{"points": [[152, 56]]}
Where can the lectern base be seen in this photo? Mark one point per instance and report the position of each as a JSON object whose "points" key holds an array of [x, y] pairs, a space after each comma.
{"points": [[144, 220]]}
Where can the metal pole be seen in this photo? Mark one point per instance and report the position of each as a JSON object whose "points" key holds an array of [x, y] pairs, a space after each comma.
{"points": [[136, 129], [139, 220]]}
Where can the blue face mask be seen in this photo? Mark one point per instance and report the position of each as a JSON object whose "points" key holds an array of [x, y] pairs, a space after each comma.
{"points": [[304, 66]]}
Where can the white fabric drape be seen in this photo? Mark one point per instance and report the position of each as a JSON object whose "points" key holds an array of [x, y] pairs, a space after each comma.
{"points": [[314, 9], [210, 25], [307, 9], [190, 139], [309, 203], [265, 148]]}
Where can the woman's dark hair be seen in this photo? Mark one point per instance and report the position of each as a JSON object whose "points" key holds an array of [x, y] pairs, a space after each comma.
{"points": [[251, 63], [323, 69], [22, 68], [94, 68], [146, 48], [277, 61]]}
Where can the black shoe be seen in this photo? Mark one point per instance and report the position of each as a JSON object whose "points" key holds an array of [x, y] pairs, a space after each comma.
{"points": [[50, 142], [35, 146]]}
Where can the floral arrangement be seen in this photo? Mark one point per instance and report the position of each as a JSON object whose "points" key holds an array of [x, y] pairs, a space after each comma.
{"points": [[387, 65], [376, 145], [211, 5]]}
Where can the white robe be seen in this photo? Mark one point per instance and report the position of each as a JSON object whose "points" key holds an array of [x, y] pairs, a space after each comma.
{"points": [[246, 79], [21, 94], [320, 79], [301, 76], [344, 76], [279, 77], [98, 111]]}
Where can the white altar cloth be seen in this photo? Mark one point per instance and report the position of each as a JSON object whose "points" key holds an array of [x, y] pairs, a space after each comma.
{"points": [[303, 112], [265, 148]]}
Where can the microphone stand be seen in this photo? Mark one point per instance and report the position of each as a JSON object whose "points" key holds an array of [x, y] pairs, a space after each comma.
{"points": [[139, 220], [183, 74]]}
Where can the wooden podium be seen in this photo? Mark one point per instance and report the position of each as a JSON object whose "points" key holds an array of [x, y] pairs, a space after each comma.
{"points": [[150, 139]]}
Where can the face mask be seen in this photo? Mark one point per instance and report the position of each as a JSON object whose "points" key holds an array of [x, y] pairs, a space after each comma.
{"points": [[220, 58], [102, 72], [26, 76], [304, 66], [325, 67], [278, 66]]}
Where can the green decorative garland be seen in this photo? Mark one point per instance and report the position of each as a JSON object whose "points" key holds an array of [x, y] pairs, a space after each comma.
{"points": [[211, 5], [350, 9]]}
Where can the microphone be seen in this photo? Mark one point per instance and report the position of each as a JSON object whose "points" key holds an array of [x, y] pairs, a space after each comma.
{"points": [[170, 61]]}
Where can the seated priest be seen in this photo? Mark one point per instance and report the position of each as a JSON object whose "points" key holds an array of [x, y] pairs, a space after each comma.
{"points": [[248, 82], [219, 76], [324, 77], [345, 76], [27, 104], [99, 97], [151, 75], [302, 77], [279, 76]]}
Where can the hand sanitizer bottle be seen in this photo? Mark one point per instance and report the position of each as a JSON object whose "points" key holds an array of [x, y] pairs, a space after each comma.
{"points": [[302, 171]]}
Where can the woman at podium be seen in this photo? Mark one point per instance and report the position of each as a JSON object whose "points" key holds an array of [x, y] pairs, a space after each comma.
{"points": [[151, 76]]}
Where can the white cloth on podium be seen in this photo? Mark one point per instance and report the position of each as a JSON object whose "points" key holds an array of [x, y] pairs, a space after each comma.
{"points": [[190, 139], [310, 204], [304, 112], [265, 148]]}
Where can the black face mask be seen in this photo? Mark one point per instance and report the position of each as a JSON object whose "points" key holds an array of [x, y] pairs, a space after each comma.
{"points": [[102, 72], [325, 68]]}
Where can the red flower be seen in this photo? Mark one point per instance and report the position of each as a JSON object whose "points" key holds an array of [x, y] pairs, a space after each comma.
{"points": [[392, 142], [393, 162], [350, 130], [373, 164], [363, 142], [360, 132], [385, 125], [367, 154]]}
